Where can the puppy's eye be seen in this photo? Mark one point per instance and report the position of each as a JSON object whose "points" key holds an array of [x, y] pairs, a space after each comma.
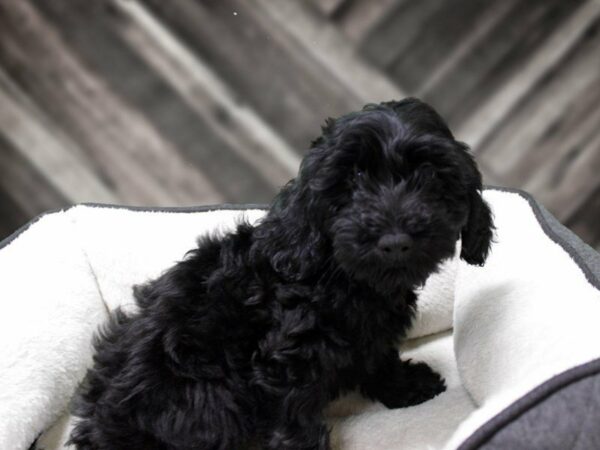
{"points": [[427, 172], [358, 174]]}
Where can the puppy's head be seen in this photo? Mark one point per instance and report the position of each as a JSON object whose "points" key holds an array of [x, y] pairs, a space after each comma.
{"points": [[392, 191]]}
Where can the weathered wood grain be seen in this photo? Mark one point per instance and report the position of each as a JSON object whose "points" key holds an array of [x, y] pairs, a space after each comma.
{"points": [[394, 32], [551, 145], [477, 31], [29, 191], [576, 180], [359, 17], [118, 142], [533, 141], [245, 133], [332, 51], [13, 217], [201, 101], [262, 63], [501, 101], [329, 7], [446, 27], [50, 152], [92, 34]]}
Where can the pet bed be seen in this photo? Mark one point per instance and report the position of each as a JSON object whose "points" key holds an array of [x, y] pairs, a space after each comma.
{"points": [[517, 340]]}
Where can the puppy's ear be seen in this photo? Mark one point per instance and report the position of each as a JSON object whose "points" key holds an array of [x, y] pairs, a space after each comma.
{"points": [[292, 231], [478, 231]]}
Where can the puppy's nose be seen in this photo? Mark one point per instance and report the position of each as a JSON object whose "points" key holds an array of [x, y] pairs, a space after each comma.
{"points": [[395, 245]]}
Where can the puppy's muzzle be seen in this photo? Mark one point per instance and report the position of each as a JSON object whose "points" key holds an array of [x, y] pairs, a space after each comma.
{"points": [[395, 246]]}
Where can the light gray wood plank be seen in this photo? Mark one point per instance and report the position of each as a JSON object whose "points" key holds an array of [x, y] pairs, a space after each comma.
{"points": [[48, 152]]}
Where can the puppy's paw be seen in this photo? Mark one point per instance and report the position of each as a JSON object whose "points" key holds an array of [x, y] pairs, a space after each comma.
{"points": [[414, 383]]}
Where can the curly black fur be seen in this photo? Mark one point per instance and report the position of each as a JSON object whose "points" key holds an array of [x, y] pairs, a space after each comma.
{"points": [[253, 333]]}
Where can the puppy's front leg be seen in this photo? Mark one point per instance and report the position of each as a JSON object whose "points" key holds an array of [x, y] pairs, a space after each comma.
{"points": [[397, 383], [293, 386], [293, 389], [299, 423]]}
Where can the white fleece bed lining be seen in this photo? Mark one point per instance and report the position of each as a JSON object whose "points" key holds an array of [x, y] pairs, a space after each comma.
{"points": [[434, 344], [558, 382]]}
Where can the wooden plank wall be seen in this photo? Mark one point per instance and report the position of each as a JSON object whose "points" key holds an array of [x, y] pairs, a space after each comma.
{"points": [[185, 102]]}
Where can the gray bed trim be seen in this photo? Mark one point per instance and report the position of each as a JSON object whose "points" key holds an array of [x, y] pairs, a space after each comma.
{"points": [[566, 419], [528, 402], [588, 261]]}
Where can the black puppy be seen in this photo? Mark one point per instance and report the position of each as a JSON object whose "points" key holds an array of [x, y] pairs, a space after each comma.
{"points": [[253, 333]]}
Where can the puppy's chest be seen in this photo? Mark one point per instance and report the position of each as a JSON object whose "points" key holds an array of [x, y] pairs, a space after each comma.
{"points": [[363, 325], [369, 323]]}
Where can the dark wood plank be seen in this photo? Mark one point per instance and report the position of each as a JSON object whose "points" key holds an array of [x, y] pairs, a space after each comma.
{"points": [[569, 187], [498, 57], [500, 104], [546, 132], [262, 63], [477, 30], [440, 34], [585, 222], [26, 190], [251, 138], [11, 215], [330, 8], [395, 31], [319, 37]]}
